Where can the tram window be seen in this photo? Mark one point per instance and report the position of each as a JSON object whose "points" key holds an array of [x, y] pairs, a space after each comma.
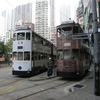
{"points": [[28, 36], [75, 54], [21, 36], [20, 55], [66, 54], [32, 36], [26, 55], [60, 55], [32, 55], [58, 32], [75, 30], [39, 40], [41, 55], [14, 55], [46, 55], [44, 42], [66, 31], [47, 43], [36, 39], [14, 36], [35, 55]]}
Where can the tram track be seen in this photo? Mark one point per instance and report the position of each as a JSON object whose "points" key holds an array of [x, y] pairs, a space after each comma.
{"points": [[35, 85], [43, 90], [36, 88]]}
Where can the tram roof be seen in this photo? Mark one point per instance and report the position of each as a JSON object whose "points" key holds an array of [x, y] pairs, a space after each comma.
{"points": [[67, 23], [22, 28]]}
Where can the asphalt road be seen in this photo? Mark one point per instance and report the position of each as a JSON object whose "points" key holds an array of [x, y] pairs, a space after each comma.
{"points": [[13, 87]]}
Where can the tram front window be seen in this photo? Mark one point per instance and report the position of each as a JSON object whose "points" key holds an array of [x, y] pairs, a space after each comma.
{"points": [[67, 31], [20, 55], [66, 54], [28, 36], [75, 54], [26, 55], [21, 36], [60, 55], [14, 55]]}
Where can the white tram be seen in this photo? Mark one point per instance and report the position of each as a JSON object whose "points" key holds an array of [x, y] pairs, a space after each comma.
{"points": [[30, 52]]}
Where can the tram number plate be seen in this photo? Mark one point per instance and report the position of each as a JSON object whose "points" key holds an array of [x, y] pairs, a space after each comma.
{"points": [[67, 44]]}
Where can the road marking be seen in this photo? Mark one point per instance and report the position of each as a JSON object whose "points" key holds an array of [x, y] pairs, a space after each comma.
{"points": [[10, 87], [7, 80], [2, 79]]}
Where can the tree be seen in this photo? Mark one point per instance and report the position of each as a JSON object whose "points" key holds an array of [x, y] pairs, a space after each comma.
{"points": [[9, 45], [2, 49], [5, 48]]}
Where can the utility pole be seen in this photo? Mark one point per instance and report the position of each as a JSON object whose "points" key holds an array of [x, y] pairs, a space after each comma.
{"points": [[96, 51]]}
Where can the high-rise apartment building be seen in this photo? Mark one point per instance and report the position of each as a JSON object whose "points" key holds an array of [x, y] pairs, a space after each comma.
{"points": [[7, 25], [23, 13], [80, 15], [2, 35], [65, 13], [45, 18]]}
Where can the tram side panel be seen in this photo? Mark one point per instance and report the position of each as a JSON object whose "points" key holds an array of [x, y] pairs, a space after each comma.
{"points": [[40, 56]]}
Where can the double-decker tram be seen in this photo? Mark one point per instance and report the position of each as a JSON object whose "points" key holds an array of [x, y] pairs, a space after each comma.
{"points": [[30, 52], [73, 57]]}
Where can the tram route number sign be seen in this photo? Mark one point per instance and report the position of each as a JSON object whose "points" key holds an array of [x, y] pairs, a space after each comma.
{"points": [[67, 44]]}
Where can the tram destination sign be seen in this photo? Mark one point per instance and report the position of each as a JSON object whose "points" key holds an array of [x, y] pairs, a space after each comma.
{"points": [[67, 44]]}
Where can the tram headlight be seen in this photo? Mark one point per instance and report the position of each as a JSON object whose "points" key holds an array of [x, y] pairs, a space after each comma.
{"points": [[12, 68], [19, 67], [28, 70], [67, 67], [77, 73]]}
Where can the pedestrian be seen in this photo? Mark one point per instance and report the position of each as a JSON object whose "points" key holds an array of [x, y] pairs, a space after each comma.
{"points": [[50, 65]]}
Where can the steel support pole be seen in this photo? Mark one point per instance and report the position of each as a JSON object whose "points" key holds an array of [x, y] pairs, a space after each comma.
{"points": [[96, 51]]}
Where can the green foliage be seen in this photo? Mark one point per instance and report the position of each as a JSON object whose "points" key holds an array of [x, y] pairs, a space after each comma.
{"points": [[5, 48], [9, 46], [2, 48]]}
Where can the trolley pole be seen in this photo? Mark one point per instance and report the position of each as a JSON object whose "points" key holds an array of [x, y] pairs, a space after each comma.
{"points": [[96, 51]]}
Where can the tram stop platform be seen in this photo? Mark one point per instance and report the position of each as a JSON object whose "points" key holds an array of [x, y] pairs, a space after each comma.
{"points": [[82, 91]]}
